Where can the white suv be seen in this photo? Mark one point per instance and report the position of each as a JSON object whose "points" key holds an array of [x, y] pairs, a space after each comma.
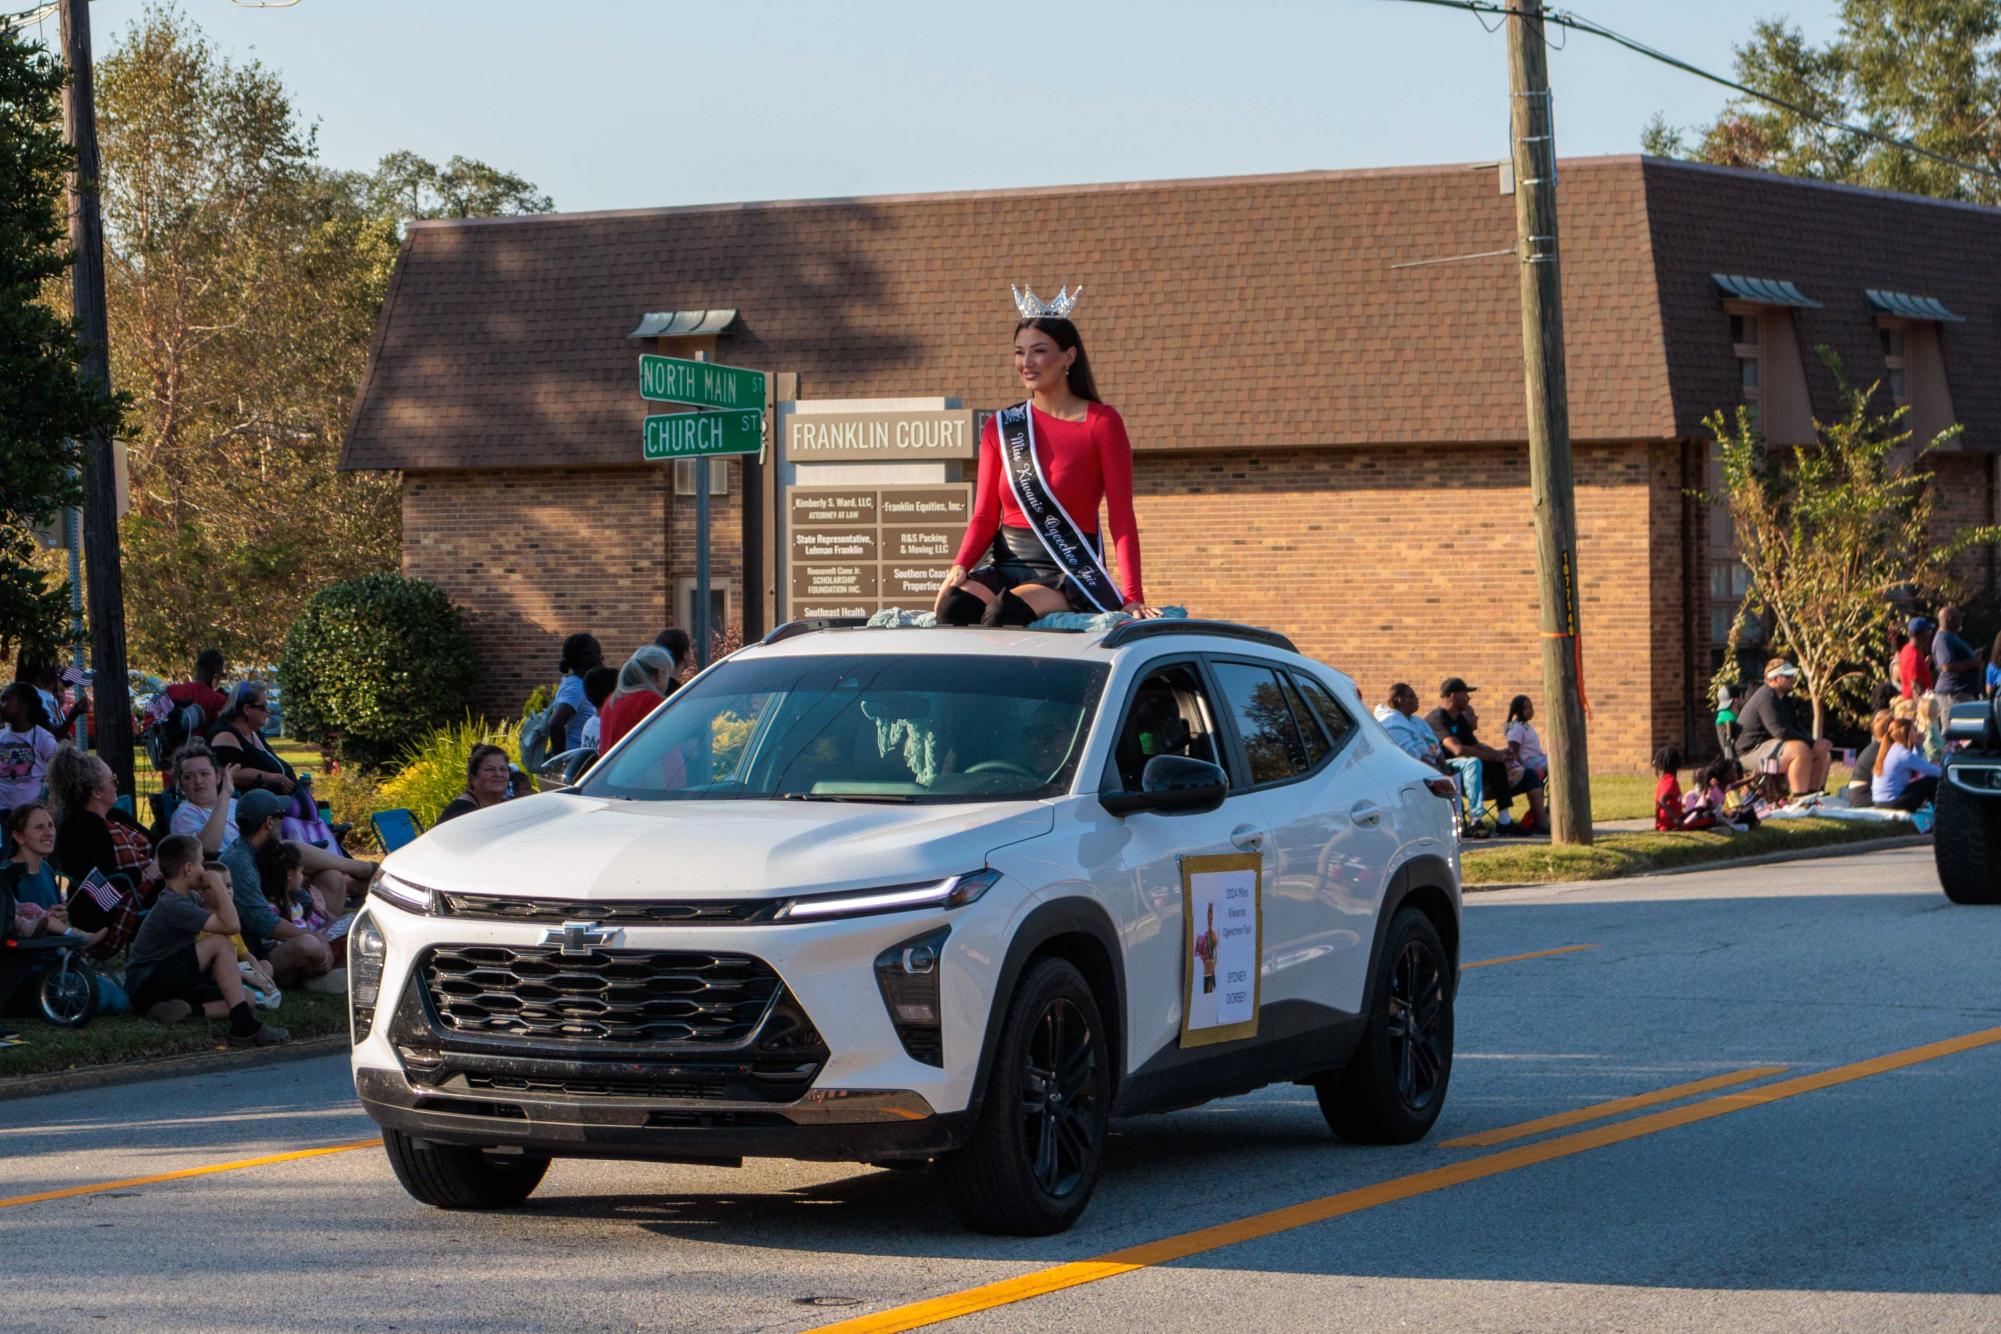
{"points": [[923, 895]]}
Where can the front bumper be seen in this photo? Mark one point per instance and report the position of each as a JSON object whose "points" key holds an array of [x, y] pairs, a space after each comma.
{"points": [[847, 1090], [836, 1125]]}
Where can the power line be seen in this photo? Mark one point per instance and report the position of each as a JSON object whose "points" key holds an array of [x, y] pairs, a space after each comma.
{"points": [[1569, 19]]}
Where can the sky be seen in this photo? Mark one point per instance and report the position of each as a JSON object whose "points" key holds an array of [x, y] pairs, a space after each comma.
{"points": [[642, 103]]}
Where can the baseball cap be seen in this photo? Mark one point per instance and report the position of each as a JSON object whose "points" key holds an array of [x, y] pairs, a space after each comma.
{"points": [[1919, 624], [256, 806], [1780, 667], [1452, 685]]}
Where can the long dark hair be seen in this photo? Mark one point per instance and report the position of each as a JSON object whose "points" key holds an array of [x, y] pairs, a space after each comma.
{"points": [[581, 652], [1517, 708], [1067, 337], [31, 703]]}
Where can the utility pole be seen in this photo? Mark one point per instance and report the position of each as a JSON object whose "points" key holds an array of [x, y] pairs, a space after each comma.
{"points": [[100, 468], [1532, 128]]}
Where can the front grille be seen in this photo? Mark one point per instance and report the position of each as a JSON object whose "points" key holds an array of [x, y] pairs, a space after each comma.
{"points": [[508, 908], [603, 997]]}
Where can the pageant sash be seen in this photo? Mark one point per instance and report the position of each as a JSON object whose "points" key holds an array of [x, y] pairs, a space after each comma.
{"points": [[1047, 519]]}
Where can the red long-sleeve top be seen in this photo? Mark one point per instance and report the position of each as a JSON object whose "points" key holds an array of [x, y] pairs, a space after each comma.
{"points": [[1086, 463]]}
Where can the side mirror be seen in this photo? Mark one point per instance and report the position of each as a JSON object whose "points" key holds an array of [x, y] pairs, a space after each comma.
{"points": [[1172, 785]]}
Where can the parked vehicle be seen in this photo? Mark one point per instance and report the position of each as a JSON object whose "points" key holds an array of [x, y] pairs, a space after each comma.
{"points": [[909, 896], [1966, 840]]}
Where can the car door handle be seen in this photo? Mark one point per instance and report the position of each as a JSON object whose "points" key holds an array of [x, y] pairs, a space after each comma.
{"points": [[1248, 837], [1366, 813]]}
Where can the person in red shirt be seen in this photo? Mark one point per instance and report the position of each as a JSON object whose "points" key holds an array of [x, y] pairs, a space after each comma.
{"points": [[642, 683], [1667, 793], [1003, 575], [1914, 659]]}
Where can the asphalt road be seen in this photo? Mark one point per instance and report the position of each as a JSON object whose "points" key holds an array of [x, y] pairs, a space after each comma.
{"points": [[1845, 1190]]}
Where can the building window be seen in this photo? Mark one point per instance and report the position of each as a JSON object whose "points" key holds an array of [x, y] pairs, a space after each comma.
{"points": [[1729, 578], [684, 477], [719, 605], [1893, 362], [1747, 343]]}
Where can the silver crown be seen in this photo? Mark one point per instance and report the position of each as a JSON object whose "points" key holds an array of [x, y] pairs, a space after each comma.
{"points": [[1033, 307]]}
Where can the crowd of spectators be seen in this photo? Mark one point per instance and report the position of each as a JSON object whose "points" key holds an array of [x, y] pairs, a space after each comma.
{"points": [[1490, 777]]}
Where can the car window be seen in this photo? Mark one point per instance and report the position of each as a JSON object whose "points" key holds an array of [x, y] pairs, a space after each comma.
{"points": [[1265, 723], [1327, 709], [1309, 730], [1169, 715], [862, 727], [1332, 716]]}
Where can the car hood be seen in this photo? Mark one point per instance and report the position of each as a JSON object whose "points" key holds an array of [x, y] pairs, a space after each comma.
{"points": [[567, 846]]}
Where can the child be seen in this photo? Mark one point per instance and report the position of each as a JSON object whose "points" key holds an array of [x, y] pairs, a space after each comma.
{"points": [[1931, 730], [1525, 753], [1667, 792], [599, 682], [26, 747]]}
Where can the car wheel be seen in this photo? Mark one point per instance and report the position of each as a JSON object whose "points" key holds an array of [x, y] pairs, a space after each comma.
{"points": [[1038, 1146], [1966, 845], [458, 1176], [1393, 1087]]}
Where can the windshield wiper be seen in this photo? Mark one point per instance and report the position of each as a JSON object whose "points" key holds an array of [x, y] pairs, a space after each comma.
{"points": [[877, 798]]}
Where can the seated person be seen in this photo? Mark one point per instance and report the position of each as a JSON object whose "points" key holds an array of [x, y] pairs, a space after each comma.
{"points": [[1902, 778], [1525, 750], [489, 781], [1455, 724], [183, 961], [1667, 792], [1776, 727], [94, 834], [1412, 734], [1859, 790], [295, 953], [208, 811]]}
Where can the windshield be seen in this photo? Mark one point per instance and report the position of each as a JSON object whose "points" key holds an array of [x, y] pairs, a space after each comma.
{"points": [[862, 727]]}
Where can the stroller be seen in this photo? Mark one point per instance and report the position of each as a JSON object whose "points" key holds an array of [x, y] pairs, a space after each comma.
{"points": [[64, 981]]}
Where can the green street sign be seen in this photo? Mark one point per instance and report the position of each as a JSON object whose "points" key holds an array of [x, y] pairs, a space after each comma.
{"points": [[699, 384], [688, 435]]}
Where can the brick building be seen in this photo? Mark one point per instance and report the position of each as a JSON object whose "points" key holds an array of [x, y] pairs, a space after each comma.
{"points": [[1327, 441]]}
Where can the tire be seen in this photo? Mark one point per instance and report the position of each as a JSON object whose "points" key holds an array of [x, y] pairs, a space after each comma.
{"points": [[69, 992], [1038, 1147], [457, 1176], [1393, 1087], [1966, 844]]}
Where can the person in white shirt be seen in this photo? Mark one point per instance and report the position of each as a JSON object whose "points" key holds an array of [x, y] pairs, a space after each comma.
{"points": [[1903, 779], [1411, 733], [1525, 753]]}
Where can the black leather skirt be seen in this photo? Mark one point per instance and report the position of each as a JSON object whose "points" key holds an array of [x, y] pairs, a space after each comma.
{"points": [[1017, 558]]}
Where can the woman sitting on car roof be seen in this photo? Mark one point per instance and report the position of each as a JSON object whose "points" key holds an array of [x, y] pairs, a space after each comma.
{"points": [[1046, 465]]}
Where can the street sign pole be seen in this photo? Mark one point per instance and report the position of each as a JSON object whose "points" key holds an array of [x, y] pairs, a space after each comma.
{"points": [[701, 626]]}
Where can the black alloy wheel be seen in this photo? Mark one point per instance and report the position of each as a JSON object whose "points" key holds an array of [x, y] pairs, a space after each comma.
{"points": [[1416, 1005], [1038, 1145], [1062, 1125], [1393, 1087]]}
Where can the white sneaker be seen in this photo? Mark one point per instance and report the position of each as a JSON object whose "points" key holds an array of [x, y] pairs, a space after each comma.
{"points": [[332, 983]]}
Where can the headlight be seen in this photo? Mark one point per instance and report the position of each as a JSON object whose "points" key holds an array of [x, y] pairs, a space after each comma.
{"points": [[365, 952], [952, 892], [409, 897]]}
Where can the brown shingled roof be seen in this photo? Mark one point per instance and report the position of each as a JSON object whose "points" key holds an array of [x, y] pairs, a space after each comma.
{"points": [[1258, 311]]}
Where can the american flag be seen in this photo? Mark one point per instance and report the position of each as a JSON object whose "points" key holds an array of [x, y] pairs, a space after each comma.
{"points": [[98, 890]]}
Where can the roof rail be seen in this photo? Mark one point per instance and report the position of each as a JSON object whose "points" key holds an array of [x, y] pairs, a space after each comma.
{"points": [[792, 628], [1125, 632]]}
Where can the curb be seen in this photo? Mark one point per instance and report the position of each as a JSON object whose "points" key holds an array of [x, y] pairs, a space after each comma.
{"points": [[1733, 863], [168, 1067]]}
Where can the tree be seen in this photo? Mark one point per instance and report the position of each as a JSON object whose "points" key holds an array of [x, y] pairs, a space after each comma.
{"points": [[1926, 71], [1835, 535], [406, 187], [245, 279], [45, 404]]}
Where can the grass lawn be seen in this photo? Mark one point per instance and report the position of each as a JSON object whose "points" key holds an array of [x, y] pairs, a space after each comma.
{"points": [[1614, 855], [131, 1038]]}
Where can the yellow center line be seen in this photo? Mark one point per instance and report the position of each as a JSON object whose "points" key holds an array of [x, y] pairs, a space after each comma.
{"points": [[1056, 1279], [1598, 1111], [1518, 958], [295, 1155]]}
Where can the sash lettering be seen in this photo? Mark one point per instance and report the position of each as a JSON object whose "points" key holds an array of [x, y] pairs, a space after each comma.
{"points": [[1047, 519]]}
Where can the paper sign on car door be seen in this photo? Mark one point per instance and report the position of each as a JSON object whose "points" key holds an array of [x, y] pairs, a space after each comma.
{"points": [[1223, 937]]}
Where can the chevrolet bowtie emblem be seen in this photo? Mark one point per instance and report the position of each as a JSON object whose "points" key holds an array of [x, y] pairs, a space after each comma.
{"points": [[580, 937]]}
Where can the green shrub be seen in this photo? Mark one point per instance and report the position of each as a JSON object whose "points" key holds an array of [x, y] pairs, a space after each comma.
{"points": [[373, 662], [434, 770], [354, 795], [538, 699]]}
